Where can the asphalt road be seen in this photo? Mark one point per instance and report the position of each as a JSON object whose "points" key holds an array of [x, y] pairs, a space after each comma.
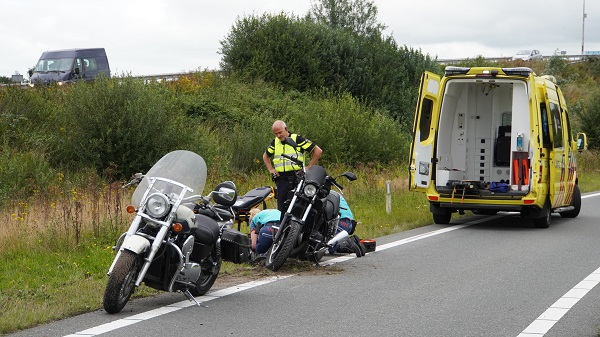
{"points": [[479, 276]]}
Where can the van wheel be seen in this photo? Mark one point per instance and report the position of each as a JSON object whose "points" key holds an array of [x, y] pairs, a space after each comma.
{"points": [[443, 217], [544, 222], [575, 202]]}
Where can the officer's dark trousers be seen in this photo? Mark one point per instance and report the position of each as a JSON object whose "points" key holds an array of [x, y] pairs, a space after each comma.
{"points": [[286, 182]]}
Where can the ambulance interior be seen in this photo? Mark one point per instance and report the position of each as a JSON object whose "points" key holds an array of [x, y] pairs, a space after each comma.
{"points": [[484, 136]]}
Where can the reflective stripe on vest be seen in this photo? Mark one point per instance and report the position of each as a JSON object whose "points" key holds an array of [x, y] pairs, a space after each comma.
{"points": [[282, 164]]}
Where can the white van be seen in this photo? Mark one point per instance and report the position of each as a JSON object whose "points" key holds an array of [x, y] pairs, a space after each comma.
{"points": [[494, 139]]}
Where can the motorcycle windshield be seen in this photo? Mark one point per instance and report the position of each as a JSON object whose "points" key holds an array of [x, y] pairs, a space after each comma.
{"points": [[184, 167], [316, 174]]}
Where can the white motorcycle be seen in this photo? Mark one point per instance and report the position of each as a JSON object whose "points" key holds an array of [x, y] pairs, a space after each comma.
{"points": [[168, 246]]}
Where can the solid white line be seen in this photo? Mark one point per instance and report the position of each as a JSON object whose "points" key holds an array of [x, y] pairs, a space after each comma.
{"points": [[104, 328], [552, 315], [590, 195]]}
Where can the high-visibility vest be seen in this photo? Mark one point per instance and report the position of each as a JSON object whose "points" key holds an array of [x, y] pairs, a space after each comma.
{"points": [[282, 164]]}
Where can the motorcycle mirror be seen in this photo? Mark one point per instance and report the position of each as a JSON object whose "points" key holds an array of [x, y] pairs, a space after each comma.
{"points": [[225, 194], [289, 141], [350, 175]]}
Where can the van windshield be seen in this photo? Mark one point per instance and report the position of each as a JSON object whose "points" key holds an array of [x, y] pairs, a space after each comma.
{"points": [[54, 65]]}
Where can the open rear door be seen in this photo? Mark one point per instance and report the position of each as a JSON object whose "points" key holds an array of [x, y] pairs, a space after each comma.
{"points": [[424, 131]]}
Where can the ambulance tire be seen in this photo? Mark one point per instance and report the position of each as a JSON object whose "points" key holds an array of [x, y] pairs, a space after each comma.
{"points": [[442, 218], [575, 202], [544, 222]]}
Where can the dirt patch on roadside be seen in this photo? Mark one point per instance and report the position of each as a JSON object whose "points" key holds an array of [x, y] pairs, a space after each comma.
{"points": [[245, 273]]}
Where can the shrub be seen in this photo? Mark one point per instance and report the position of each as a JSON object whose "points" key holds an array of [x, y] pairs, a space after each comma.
{"points": [[22, 174], [118, 126]]}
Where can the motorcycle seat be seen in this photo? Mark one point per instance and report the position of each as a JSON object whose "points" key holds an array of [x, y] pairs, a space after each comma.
{"points": [[252, 198], [207, 231]]}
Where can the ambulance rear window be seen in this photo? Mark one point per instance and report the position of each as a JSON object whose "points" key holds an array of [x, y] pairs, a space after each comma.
{"points": [[425, 121]]}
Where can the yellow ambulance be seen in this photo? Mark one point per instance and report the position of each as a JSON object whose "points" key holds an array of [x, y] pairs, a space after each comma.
{"points": [[491, 139]]}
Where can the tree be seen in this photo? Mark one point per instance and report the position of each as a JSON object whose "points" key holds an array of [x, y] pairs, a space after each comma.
{"points": [[589, 119], [307, 55], [359, 16]]}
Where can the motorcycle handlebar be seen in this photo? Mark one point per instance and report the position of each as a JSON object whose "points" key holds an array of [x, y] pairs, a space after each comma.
{"points": [[294, 159], [136, 180], [336, 184]]}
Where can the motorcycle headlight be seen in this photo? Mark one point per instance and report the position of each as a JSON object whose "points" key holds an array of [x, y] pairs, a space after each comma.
{"points": [[310, 190], [157, 205]]}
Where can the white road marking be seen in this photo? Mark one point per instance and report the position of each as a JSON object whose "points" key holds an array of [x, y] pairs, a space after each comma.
{"points": [[552, 315], [104, 328], [536, 329]]}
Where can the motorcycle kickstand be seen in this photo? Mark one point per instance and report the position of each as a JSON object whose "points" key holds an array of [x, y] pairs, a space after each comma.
{"points": [[193, 299]]}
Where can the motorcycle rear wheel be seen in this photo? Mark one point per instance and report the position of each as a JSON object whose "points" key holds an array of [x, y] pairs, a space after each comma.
{"points": [[280, 249], [208, 278], [121, 282]]}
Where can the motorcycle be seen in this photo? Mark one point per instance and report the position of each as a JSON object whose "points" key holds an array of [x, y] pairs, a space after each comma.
{"points": [[309, 225], [174, 241]]}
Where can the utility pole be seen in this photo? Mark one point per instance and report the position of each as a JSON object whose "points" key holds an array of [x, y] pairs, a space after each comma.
{"points": [[583, 27]]}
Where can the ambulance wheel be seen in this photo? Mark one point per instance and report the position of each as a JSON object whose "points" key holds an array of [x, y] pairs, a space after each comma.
{"points": [[575, 202], [443, 217], [544, 222]]}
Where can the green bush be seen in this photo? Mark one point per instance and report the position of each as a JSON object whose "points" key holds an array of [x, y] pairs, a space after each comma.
{"points": [[589, 119], [300, 54], [22, 174], [118, 126], [348, 132], [26, 117]]}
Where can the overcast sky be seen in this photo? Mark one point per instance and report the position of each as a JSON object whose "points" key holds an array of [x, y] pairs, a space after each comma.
{"points": [[147, 37]]}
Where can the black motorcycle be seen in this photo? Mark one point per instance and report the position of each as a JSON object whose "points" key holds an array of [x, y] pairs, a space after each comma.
{"points": [[178, 238], [308, 227]]}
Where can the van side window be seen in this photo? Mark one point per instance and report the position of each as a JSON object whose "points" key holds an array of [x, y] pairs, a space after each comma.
{"points": [[90, 64], [425, 121], [557, 129], [545, 128]]}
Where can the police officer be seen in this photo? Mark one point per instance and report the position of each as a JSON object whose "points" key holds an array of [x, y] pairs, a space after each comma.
{"points": [[283, 170]]}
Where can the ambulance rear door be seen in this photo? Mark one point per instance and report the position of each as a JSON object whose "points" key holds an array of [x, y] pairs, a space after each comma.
{"points": [[422, 151]]}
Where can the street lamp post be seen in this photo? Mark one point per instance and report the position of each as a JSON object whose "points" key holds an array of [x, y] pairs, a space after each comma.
{"points": [[583, 27]]}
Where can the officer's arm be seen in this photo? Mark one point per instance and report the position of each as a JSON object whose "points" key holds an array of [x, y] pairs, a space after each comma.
{"points": [[267, 161], [316, 154]]}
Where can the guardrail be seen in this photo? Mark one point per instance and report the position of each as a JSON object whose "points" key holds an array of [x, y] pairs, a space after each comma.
{"points": [[570, 58]]}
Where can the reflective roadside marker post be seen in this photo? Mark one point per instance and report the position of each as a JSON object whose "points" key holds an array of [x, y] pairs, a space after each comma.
{"points": [[388, 197]]}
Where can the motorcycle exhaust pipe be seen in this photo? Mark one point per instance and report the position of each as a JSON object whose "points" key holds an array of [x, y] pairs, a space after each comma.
{"points": [[338, 237]]}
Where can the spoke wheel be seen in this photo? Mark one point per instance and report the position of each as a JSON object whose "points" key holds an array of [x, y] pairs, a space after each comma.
{"points": [[121, 282]]}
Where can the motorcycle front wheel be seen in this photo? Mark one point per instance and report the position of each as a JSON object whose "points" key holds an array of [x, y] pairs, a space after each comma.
{"points": [[121, 282], [209, 274], [280, 249]]}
